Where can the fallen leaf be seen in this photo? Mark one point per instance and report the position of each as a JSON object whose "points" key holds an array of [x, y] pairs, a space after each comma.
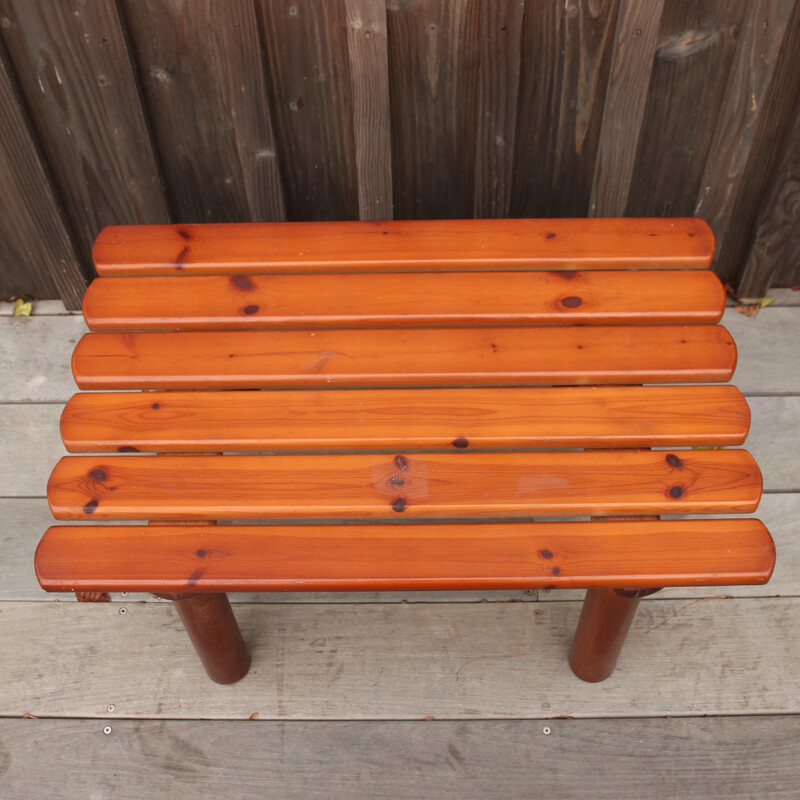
{"points": [[796, 288], [428, 719], [253, 716], [763, 302], [748, 309], [21, 308], [29, 716]]}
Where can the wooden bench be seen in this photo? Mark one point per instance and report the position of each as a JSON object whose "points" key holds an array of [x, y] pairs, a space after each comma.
{"points": [[460, 377]]}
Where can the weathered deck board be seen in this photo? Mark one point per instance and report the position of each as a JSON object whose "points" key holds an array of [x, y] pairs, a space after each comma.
{"points": [[714, 759], [445, 660]]}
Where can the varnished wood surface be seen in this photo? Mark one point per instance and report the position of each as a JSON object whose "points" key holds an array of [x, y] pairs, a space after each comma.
{"points": [[400, 487], [407, 357], [389, 300], [410, 419], [380, 557], [403, 245]]}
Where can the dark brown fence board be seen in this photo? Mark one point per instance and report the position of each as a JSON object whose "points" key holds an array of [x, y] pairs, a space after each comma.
{"points": [[693, 58], [434, 63], [762, 172], [200, 67], [37, 256], [369, 73], [626, 96], [774, 258], [566, 55], [307, 57], [80, 87], [750, 76], [496, 118]]}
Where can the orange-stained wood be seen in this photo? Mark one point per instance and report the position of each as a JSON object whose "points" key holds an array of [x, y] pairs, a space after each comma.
{"points": [[405, 419], [391, 557], [213, 302], [405, 357], [397, 487], [403, 245]]}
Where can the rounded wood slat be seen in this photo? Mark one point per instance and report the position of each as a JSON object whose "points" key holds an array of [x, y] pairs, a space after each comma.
{"points": [[390, 557], [405, 419], [216, 302], [403, 245], [399, 487], [405, 357]]}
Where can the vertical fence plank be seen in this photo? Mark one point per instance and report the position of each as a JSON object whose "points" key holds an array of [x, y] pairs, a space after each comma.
{"points": [[37, 257], [434, 63], [369, 74], [200, 66], [79, 84], [567, 49], [307, 55], [735, 135], [693, 58], [775, 119], [774, 258], [626, 96], [496, 118]]}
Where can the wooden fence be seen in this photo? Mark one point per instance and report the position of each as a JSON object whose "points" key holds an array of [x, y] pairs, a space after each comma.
{"points": [[125, 111]]}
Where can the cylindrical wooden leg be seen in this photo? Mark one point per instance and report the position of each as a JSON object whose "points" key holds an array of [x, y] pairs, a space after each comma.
{"points": [[605, 619], [209, 621]]}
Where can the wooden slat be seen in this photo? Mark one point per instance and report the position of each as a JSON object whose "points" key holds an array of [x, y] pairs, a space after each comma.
{"points": [[236, 558], [406, 357], [403, 245], [391, 300], [400, 487], [410, 419]]}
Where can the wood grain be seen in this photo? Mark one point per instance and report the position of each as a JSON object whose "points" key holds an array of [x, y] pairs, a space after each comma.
{"points": [[434, 73], [80, 87], [695, 50], [405, 357], [38, 257], [392, 419], [751, 74], [774, 254], [200, 66], [369, 557], [402, 662], [722, 758], [367, 46], [567, 55], [307, 61], [501, 25], [396, 246], [400, 487], [377, 300], [773, 131], [626, 95]]}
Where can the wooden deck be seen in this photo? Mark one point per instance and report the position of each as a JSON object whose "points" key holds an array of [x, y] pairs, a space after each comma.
{"points": [[387, 695]]}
